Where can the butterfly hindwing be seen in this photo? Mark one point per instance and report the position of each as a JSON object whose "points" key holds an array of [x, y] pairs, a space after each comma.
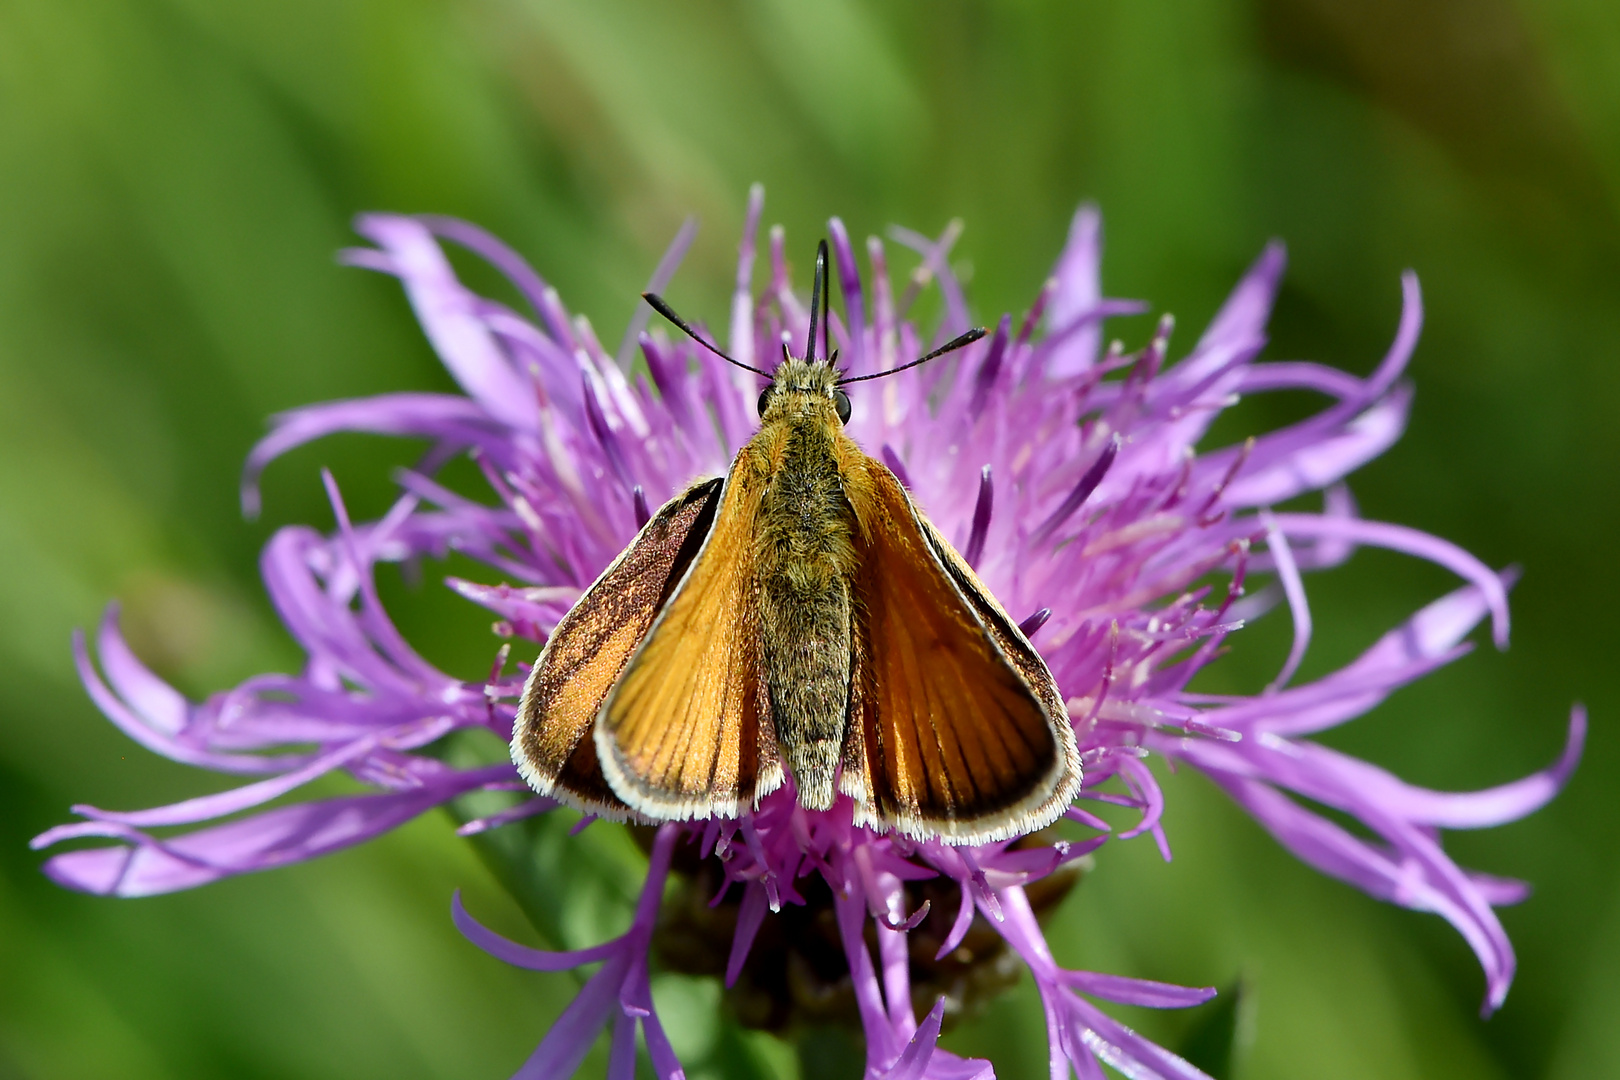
{"points": [[687, 732], [956, 726], [590, 648]]}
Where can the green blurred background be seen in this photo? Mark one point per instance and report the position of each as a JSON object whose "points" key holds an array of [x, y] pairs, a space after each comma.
{"points": [[175, 176]]}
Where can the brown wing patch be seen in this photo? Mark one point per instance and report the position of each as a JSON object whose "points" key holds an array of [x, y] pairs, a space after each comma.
{"points": [[585, 655], [957, 729], [687, 732], [1011, 640]]}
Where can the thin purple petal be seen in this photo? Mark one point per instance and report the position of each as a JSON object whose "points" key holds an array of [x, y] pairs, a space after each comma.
{"points": [[521, 955], [278, 837], [1412, 542]]}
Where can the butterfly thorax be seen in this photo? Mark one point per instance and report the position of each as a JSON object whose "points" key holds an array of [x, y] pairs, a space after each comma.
{"points": [[806, 559]]}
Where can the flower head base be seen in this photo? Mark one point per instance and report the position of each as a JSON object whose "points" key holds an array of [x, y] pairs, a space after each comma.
{"points": [[1066, 475], [797, 973]]}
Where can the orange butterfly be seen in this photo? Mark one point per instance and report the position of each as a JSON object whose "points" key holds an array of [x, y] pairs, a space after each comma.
{"points": [[798, 617]]}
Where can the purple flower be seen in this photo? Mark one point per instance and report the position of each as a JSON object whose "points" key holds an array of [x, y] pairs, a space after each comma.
{"points": [[1066, 474]]}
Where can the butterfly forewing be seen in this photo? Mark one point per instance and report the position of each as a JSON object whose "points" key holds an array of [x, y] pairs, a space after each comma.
{"points": [[687, 731], [590, 647], [1008, 638], [956, 727]]}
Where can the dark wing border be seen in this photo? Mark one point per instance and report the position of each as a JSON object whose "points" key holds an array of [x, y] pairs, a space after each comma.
{"points": [[590, 648]]}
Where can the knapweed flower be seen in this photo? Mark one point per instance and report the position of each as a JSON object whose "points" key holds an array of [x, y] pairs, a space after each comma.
{"points": [[1070, 476]]}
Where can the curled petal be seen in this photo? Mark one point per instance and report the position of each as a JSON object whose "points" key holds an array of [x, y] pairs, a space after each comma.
{"points": [[207, 807], [1412, 542], [521, 955], [1428, 640], [1406, 338], [160, 706], [440, 417], [1294, 590], [1146, 789], [151, 735], [1309, 460], [1345, 782], [1412, 872], [277, 837]]}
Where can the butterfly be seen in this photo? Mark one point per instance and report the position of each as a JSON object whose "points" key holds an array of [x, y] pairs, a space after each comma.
{"points": [[798, 619]]}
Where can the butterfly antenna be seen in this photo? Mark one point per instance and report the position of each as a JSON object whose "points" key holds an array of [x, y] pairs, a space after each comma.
{"points": [[950, 346], [826, 301], [818, 303], [668, 312]]}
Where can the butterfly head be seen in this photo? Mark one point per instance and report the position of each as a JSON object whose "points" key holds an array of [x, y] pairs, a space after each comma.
{"points": [[804, 388]]}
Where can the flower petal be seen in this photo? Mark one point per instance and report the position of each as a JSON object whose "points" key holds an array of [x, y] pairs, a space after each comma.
{"points": [[521, 955], [277, 837], [1412, 542], [913, 1061], [1412, 873], [1143, 992], [114, 709], [1079, 288], [440, 417], [449, 317]]}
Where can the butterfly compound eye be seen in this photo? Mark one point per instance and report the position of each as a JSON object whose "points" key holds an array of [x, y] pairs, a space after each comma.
{"points": [[764, 401], [841, 403]]}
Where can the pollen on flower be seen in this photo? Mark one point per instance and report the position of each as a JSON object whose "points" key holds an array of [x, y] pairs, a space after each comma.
{"points": [[1075, 480]]}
